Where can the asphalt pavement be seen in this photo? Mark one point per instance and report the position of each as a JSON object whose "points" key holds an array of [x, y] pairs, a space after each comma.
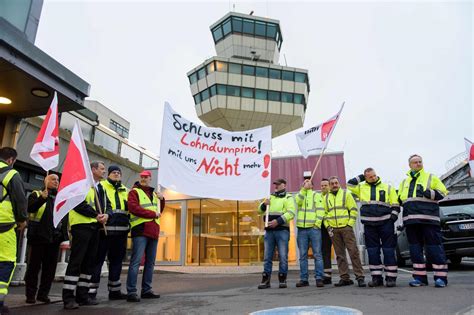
{"points": [[183, 293]]}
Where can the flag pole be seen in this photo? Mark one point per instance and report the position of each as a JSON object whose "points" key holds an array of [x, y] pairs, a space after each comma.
{"points": [[317, 164], [100, 207], [267, 212]]}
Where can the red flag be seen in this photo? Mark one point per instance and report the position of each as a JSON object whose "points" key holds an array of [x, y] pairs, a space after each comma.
{"points": [[470, 155], [45, 150], [76, 179], [316, 138]]}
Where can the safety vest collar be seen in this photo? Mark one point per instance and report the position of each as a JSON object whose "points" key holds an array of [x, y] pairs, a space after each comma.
{"points": [[417, 174], [377, 182]]}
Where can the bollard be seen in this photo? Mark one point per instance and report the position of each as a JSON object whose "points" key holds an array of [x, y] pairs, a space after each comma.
{"points": [[62, 264], [18, 277]]}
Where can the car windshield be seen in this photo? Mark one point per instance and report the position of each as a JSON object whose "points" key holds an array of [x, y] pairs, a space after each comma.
{"points": [[458, 209]]}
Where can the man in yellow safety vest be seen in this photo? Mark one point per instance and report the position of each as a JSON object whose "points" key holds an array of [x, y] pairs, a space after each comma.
{"points": [[13, 214]]}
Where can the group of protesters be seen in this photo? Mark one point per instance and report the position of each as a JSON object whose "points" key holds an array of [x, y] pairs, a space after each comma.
{"points": [[330, 216], [97, 228]]}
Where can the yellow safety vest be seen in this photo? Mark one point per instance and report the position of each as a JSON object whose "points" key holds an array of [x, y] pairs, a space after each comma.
{"points": [[310, 209], [280, 207], [416, 207], [77, 218], [36, 216], [123, 196], [378, 201], [6, 207], [145, 203], [340, 209]]}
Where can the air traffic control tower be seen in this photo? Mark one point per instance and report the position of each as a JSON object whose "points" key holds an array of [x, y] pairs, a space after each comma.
{"points": [[244, 87]]}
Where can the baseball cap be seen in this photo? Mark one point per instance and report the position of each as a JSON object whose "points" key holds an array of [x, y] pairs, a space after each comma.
{"points": [[145, 173], [279, 181]]}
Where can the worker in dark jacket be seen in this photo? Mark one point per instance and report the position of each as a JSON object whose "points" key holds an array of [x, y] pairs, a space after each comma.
{"points": [[13, 214], [43, 240], [114, 244], [145, 207]]}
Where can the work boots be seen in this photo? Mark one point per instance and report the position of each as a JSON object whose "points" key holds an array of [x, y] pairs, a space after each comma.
{"points": [[390, 282], [343, 283], [327, 280], [376, 282], [282, 279], [265, 281]]}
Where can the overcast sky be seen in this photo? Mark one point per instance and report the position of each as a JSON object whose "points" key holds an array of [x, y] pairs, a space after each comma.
{"points": [[404, 69]]}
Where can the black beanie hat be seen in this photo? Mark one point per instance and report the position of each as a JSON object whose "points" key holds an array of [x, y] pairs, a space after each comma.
{"points": [[114, 168]]}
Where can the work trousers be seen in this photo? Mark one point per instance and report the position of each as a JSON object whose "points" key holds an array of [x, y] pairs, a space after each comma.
{"points": [[429, 237], [381, 237], [42, 258], [7, 261], [114, 247], [84, 244], [344, 238], [326, 251]]}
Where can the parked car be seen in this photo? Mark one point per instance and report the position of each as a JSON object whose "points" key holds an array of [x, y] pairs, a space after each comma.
{"points": [[457, 228]]}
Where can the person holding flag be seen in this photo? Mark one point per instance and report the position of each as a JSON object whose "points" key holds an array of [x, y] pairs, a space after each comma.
{"points": [[43, 240], [281, 210], [13, 205], [308, 221], [85, 220], [312, 141], [77, 191]]}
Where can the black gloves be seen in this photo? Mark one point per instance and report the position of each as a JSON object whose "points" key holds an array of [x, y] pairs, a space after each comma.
{"points": [[419, 191], [393, 217]]}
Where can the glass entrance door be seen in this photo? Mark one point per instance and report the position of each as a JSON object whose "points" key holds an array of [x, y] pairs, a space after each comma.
{"points": [[169, 247]]}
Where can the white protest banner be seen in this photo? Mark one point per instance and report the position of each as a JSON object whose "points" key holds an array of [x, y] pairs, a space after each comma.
{"points": [[214, 163]]}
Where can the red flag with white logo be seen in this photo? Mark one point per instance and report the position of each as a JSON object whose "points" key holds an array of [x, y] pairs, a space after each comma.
{"points": [[45, 150], [470, 155], [316, 138], [76, 179]]}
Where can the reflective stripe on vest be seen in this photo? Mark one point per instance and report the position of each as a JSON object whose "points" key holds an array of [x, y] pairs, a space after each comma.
{"points": [[36, 216], [6, 207], [418, 209], [77, 218], [337, 215], [308, 216], [147, 204]]}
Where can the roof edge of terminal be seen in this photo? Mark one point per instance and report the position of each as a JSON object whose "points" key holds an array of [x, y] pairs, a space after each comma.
{"points": [[17, 41], [243, 15]]}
